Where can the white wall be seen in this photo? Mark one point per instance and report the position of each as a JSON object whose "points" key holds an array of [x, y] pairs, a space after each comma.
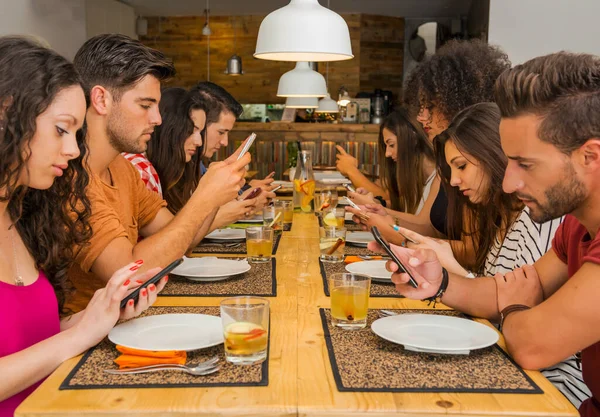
{"points": [[109, 16], [529, 28], [61, 23]]}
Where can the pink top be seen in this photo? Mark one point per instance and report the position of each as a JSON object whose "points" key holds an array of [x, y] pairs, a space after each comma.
{"points": [[28, 315]]}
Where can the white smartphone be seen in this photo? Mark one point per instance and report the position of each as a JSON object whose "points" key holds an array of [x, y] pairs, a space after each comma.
{"points": [[353, 204], [249, 143]]}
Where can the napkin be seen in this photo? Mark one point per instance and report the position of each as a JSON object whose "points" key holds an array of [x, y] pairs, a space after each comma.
{"points": [[352, 259], [134, 358]]}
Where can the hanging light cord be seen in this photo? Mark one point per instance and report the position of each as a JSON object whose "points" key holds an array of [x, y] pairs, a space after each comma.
{"points": [[207, 42]]}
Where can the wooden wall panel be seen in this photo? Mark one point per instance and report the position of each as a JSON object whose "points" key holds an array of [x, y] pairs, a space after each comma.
{"points": [[382, 53], [375, 65]]}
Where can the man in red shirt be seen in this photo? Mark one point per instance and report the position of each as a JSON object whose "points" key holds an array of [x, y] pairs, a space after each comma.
{"points": [[550, 132]]}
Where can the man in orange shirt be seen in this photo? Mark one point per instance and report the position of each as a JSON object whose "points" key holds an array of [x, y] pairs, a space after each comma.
{"points": [[123, 78]]}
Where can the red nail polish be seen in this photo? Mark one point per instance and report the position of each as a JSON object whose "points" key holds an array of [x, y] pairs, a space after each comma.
{"points": [[126, 283], [130, 302], [139, 261], [139, 281], [134, 268], [144, 292], [152, 287]]}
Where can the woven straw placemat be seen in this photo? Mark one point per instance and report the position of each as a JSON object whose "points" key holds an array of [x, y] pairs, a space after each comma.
{"points": [[238, 248], [259, 280], [362, 361], [378, 289], [89, 374]]}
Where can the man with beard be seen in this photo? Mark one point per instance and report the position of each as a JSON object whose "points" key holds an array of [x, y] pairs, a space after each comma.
{"points": [[550, 132], [122, 79]]}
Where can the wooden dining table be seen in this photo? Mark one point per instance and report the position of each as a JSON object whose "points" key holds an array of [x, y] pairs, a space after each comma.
{"points": [[300, 377]]}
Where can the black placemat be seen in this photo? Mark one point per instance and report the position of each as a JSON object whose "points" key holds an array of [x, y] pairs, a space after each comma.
{"points": [[363, 362], [89, 374], [211, 246], [378, 289], [260, 280]]}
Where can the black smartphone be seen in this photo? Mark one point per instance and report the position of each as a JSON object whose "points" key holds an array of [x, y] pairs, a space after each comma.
{"points": [[388, 250], [134, 295], [253, 194], [349, 187]]}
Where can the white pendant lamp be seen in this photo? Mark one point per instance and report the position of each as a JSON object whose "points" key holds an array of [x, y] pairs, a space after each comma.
{"points": [[327, 105], [302, 102], [302, 82], [303, 31]]}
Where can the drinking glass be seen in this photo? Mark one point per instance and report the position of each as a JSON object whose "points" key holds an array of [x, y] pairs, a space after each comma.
{"points": [[259, 243], [334, 217], [273, 216], [349, 295], [245, 329], [332, 240], [288, 210]]}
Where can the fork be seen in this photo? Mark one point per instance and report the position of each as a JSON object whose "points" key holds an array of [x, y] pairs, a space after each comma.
{"points": [[204, 368], [386, 313]]}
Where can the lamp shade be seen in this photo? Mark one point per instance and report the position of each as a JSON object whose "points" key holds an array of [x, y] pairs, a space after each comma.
{"points": [[303, 31], [327, 105], [344, 99], [302, 102], [234, 65], [302, 82]]}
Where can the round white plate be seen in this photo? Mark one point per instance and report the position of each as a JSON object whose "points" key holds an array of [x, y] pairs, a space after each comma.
{"points": [[359, 238], [437, 334], [169, 332], [210, 268], [227, 234], [375, 269], [256, 219]]}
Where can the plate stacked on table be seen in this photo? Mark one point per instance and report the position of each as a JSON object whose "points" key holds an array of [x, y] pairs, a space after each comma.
{"points": [[359, 238], [331, 177], [432, 333], [169, 332], [211, 268], [254, 219], [374, 269], [227, 235]]}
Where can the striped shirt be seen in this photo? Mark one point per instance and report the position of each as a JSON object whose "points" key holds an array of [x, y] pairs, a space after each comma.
{"points": [[525, 243]]}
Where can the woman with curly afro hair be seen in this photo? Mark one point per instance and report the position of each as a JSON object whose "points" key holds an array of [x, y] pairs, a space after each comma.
{"points": [[460, 74]]}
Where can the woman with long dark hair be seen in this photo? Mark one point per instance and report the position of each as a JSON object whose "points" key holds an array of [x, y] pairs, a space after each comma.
{"points": [[44, 217], [408, 169], [175, 153]]}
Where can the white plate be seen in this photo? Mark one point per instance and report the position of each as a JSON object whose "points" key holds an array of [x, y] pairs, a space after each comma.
{"points": [[210, 268], [256, 219], [359, 238], [169, 332], [227, 234], [375, 269], [435, 334]]}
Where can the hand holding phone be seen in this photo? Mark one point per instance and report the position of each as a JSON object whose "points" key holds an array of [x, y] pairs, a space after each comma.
{"points": [[247, 145], [253, 194], [276, 188], [386, 247], [135, 294], [349, 187]]}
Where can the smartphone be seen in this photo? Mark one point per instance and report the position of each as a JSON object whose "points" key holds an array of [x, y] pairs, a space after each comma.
{"points": [[134, 295], [349, 187], [353, 204], [276, 188], [253, 194], [386, 247], [249, 143]]}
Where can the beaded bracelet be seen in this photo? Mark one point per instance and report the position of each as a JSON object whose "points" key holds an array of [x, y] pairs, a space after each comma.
{"points": [[437, 298]]}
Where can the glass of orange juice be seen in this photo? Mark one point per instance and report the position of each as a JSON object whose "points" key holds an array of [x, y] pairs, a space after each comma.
{"points": [[332, 240], [259, 244], [349, 295], [245, 329], [288, 210]]}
